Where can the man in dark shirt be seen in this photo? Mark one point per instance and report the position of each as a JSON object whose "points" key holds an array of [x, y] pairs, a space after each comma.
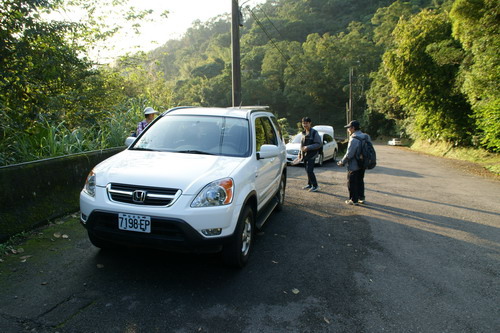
{"points": [[309, 147]]}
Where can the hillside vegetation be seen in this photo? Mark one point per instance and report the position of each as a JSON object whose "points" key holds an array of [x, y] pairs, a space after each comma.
{"points": [[423, 70]]}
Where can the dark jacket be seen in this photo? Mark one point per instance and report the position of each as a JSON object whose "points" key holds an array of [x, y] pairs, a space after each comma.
{"points": [[351, 157], [312, 142]]}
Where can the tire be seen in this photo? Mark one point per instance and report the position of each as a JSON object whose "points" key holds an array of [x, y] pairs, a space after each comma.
{"points": [[334, 159], [320, 160], [280, 196], [237, 250]]}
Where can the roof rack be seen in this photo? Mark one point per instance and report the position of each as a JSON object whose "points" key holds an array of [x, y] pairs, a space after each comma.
{"points": [[249, 107], [178, 108]]}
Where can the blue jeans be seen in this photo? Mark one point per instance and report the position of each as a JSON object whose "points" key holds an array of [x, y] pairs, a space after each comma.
{"points": [[311, 177]]}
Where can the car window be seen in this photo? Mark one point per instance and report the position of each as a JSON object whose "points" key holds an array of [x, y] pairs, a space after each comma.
{"points": [[264, 133], [235, 138], [277, 126], [210, 135], [327, 138]]}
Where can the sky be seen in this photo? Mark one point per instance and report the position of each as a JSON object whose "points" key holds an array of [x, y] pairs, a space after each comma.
{"points": [[182, 13]]}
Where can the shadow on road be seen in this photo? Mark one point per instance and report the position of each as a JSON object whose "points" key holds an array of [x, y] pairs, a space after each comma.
{"points": [[414, 198], [461, 230]]}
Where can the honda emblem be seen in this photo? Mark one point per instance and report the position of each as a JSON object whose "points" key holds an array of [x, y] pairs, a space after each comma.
{"points": [[139, 196]]}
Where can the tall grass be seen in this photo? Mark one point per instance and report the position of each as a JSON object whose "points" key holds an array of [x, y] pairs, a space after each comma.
{"points": [[490, 161], [45, 139]]}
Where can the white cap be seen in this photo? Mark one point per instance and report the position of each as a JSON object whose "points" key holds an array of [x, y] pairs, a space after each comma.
{"points": [[149, 110]]}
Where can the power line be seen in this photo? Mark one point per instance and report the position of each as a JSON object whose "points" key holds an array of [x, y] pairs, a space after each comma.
{"points": [[283, 37], [271, 39], [279, 32]]}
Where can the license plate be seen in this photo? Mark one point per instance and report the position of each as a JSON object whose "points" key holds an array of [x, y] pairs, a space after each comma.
{"points": [[137, 223]]}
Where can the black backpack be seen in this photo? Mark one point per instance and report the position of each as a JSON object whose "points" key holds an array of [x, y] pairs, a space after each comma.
{"points": [[367, 158]]}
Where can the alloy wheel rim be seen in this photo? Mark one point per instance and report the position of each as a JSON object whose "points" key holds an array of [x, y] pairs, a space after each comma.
{"points": [[282, 191], [246, 237]]}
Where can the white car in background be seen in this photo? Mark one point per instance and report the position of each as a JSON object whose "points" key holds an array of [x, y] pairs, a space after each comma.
{"points": [[394, 142], [329, 149]]}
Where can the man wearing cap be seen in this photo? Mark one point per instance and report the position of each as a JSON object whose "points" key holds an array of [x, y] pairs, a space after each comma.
{"points": [[355, 173], [149, 114]]}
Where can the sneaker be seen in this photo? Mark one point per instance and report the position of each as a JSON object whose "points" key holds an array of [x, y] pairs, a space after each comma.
{"points": [[314, 189], [361, 202], [350, 202], [306, 187]]}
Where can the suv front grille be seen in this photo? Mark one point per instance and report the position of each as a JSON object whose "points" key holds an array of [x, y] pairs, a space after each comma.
{"points": [[142, 195]]}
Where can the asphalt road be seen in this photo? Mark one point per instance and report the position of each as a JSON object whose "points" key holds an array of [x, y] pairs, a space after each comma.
{"points": [[422, 256]]}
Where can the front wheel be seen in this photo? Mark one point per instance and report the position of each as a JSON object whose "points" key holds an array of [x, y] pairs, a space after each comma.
{"points": [[237, 251], [280, 196], [320, 160]]}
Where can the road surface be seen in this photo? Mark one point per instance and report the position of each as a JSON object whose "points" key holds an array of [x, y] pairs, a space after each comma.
{"points": [[423, 255]]}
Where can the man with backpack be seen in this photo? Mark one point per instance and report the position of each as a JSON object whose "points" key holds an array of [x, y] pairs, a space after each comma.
{"points": [[360, 156]]}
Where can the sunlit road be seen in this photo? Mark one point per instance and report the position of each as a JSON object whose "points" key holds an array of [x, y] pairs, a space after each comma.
{"points": [[422, 256]]}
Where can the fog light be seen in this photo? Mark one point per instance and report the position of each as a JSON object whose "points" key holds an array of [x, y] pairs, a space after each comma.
{"points": [[83, 217], [211, 232]]}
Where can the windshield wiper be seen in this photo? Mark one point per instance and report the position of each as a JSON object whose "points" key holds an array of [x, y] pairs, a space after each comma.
{"points": [[145, 149], [195, 152]]}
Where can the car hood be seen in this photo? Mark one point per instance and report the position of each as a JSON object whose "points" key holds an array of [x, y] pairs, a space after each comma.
{"points": [[188, 172], [291, 146]]}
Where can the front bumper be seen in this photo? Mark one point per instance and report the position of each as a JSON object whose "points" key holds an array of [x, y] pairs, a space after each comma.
{"points": [[166, 234], [176, 227], [291, 157]]}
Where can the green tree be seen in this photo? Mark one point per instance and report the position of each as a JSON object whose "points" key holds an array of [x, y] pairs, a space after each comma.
{"points": [[476, 24], [37, 66], [321, 87], [385, 20], [387, 116], [51, 94], [425, 82]]}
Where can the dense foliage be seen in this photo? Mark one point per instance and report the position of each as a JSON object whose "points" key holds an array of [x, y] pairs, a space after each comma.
{"points": [[421, 69], [53, 99], [476, 25], [425, 69], [440, 72]]}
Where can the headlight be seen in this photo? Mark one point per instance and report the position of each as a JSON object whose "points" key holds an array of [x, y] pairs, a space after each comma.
{"points": [[217, 193], [90, 184]]}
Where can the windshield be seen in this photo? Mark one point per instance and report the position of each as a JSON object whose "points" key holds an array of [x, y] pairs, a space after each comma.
{"points": [[209, 135], [297, 138]]}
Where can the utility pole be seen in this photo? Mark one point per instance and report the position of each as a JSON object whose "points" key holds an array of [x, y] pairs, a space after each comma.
{"points": [[235, 60], [349, 109]]}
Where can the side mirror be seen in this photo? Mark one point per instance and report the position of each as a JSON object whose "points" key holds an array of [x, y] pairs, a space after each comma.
{"points": [[268, 151], [129, 140]]}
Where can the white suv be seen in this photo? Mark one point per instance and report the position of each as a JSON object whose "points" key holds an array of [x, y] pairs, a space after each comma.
{"points": [[197, 180]]}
